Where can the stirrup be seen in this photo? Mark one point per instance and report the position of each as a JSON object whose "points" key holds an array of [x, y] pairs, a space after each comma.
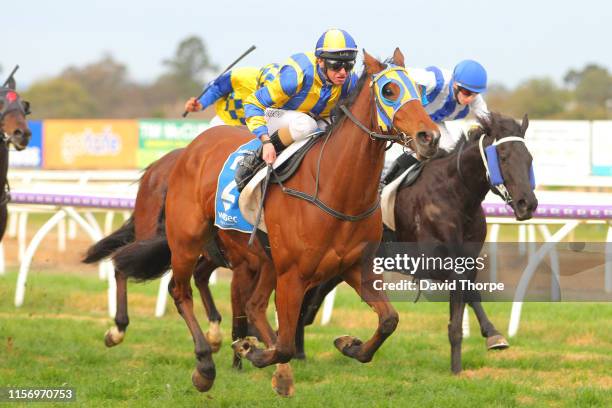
{"points": [[248, 167]]}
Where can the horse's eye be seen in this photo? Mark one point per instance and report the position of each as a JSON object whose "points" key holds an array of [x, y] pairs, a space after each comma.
{"points": [[387, 91]]}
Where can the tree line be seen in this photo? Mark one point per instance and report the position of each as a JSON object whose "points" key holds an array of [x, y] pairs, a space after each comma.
{"points": [[103, 89]]}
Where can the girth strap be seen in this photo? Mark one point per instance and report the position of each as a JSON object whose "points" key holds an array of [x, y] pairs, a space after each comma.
{"points": [[334, 213]]}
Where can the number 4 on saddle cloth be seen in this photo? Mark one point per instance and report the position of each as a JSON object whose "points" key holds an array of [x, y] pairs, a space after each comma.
{"points": [[227, 210]]}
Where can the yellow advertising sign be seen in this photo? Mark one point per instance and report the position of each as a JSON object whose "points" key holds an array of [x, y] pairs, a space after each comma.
{"points": [[90, 144]]}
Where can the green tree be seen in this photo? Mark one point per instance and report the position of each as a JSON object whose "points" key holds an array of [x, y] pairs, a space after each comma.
{"points": [[186, 71], [539, 97], [106, 81], [60, 98], [591, 92]]}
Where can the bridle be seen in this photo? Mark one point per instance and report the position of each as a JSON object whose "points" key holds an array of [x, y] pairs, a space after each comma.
{"points": [[489, 158], [399, 137]]}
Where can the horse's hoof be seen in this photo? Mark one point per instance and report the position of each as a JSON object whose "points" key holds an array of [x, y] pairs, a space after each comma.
{"points": [[200, 382], [348, 345], [214, 337], [113, 336], [497, 342], [282, 380], [237, 362], [242, 347]]}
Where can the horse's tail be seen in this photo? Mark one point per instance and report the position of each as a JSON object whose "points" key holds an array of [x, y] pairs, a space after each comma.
{"points": [[107, 245], [147, 259]]}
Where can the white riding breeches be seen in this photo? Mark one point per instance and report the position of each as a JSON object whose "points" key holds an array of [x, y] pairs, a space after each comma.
{"points": [[300, 124]]}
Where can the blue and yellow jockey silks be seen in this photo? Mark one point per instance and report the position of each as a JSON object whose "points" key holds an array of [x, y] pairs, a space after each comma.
{"points": [[302, 86], [386, 108], [336, 43], [229, 91]]}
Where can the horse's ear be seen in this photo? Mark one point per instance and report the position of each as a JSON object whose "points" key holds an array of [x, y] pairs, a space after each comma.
{"points": [[12, 84], [524, 125], [372, 65], [398, 57]]}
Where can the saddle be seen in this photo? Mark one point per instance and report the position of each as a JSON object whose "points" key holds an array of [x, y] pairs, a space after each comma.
{"points": [[252, 163]]}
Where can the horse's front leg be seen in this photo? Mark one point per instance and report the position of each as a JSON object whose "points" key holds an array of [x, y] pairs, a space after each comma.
{"points": [[289, 294], [455, 329], [387, 316], [495, 340]]}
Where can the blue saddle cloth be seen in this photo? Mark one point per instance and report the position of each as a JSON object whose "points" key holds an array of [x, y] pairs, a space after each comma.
{"points": [[227, 211]]}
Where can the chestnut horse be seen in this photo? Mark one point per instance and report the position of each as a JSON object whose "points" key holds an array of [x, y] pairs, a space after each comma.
{"points": [[308, 247], [13, 130], [142, 226]]}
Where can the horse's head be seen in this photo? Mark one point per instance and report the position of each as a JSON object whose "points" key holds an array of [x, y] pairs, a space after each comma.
{"points": [[13, 125], [399, 107], [509, 163]]}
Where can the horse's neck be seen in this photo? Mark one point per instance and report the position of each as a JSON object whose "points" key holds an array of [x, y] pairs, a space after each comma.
{"points": [[352, 162], [474, 186]]}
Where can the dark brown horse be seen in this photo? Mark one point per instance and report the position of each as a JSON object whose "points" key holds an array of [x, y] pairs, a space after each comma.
{"points": [[13, 130], [444, 205], [308, 247]]}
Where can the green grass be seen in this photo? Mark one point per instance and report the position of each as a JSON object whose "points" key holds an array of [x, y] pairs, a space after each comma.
{"points": [[561, 357]]}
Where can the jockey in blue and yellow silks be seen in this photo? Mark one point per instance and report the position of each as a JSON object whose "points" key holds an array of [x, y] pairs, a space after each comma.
{"points": [[450, 95], [229, 91], [299, 99]]}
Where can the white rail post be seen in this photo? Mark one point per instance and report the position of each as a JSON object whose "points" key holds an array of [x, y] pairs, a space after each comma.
{"points": [[517, 305]]}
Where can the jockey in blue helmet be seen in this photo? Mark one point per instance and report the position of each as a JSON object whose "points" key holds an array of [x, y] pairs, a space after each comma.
{"points": [[450, 95], [300, 98]]}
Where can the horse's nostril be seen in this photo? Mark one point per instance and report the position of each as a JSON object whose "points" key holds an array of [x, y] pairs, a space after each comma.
{"points": [[521, 204], [426, 137]]}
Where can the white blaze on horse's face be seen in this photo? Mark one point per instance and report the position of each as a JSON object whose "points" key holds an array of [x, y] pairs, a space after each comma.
{"points": [[393, 88]]}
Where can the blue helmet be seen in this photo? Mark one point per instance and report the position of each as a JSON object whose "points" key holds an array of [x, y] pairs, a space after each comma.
{"points": [[336, 44], [470, 75]]}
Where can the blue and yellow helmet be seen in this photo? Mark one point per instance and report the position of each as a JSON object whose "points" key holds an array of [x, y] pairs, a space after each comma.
{"points": [[336, 44]]}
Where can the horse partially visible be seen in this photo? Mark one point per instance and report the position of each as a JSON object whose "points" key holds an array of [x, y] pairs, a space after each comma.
{"points": [[13, 130], [444, 205], [308, 246]]}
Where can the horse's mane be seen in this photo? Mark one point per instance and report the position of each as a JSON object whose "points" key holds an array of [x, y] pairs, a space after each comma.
{"points": [[494, 124], [348, 101]]}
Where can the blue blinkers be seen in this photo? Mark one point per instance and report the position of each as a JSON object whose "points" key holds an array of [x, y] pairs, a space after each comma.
{"points": [[495, 175]]}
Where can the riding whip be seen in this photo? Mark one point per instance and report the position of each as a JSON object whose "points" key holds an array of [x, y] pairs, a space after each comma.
{"points": [[230, 66], [10, 76]]}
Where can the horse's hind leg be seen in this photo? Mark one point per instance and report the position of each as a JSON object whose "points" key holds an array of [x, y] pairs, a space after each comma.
{"points": [[115, 334], [186, 241], [387, 317], [239, 317], [455, 329], [201, 275]]}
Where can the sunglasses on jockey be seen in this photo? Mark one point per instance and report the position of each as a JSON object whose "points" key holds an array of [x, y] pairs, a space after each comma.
{"points": [[337, 65], [466, 92]]}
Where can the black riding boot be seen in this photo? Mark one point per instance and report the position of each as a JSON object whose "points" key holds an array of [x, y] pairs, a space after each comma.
{"points": [[403, 162], [253, 162]]}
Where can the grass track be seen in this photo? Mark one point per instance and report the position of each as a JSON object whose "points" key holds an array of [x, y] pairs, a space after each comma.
{"points": [[562, 356]]}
